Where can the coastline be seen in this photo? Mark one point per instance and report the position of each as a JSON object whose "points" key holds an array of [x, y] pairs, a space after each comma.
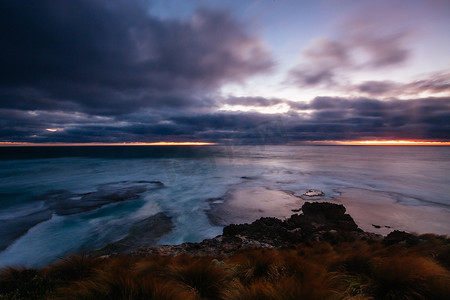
{"points": [[377, 212], [318, 254], [190, 177], [319, 221], [315, 220], [372, 209]]}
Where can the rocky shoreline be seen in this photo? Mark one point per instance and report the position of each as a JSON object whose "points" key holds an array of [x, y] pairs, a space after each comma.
{"points": [[319, 221], [318, 254]]}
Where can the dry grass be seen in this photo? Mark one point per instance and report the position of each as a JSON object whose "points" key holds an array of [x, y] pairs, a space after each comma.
{"points": [[411, 277], [352, 270]]}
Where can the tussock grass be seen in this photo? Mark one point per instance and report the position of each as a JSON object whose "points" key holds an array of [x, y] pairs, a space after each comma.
{"points": [[411, 277], [317, 270], [74, 267]]}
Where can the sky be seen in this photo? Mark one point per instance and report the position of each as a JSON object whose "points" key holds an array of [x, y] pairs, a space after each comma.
{"points": [[224, 71]]}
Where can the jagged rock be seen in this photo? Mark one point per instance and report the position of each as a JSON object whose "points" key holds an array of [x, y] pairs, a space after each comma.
{"points": [[218, 246], [319, 221], [268, 230], [322, 216], [329, 210], [398, 236]]}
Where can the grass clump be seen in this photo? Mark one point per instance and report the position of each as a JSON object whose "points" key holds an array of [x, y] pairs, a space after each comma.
{"points": [[315, 270]]}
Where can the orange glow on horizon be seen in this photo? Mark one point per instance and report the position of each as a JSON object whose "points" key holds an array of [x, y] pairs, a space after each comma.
{"points": [[6, 144], [372, 143], [395, 143], [343, 143], [178, 144]]}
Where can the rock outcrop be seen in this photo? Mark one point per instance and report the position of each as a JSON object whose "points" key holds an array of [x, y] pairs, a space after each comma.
{"points": [[143, 233], [397, 236], [319, 221], [64, 202]]}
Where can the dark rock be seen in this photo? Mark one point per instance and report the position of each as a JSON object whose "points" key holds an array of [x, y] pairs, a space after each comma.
{"points": [[319, 221], [218, 246], [328, 210], [376, 226], [396, 237], [322, 216], [66, 203], [316, 218], [267, 230], [248, 177], [144, 233]]}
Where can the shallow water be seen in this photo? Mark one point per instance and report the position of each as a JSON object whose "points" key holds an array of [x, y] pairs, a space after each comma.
{"points": [[58, 200]]}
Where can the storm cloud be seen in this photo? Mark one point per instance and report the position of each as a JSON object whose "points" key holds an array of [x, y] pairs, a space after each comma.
{"points": [[328, 118], [433, 83], [334, 118], [362, 43], [110, 71], [113, 57], [323, 119]]}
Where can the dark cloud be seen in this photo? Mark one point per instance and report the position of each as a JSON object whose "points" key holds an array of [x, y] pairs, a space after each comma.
{"points": [[432, 83], [326, 51], [382, 49], [252, 101], [108, 71], [376, 87], [113, 57], [436, 83], [334, 118], [324, 118], [310, 76], [371, 118], [362, 44]]}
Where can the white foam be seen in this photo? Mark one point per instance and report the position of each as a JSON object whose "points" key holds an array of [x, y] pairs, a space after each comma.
{"points": [[256, 178], [21, 210]]}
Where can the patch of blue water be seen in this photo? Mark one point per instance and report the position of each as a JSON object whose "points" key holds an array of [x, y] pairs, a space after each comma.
{"points": [[417, 175]]}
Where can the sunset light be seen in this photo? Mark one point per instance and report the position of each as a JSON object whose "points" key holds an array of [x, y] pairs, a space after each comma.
{"points": [[11, 144], [54, 129], [248, 135], [396, 143], [173, 144]]}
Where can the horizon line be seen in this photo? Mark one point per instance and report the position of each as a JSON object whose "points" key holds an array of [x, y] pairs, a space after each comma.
{"points": [[25, 144], [190, 143]]}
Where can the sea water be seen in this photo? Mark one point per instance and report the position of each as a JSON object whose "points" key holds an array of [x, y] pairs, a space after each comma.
{"points": [[42, 189]]}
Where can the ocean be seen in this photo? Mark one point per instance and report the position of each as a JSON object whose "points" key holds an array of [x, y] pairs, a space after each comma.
{"points": [[60, 200]]}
